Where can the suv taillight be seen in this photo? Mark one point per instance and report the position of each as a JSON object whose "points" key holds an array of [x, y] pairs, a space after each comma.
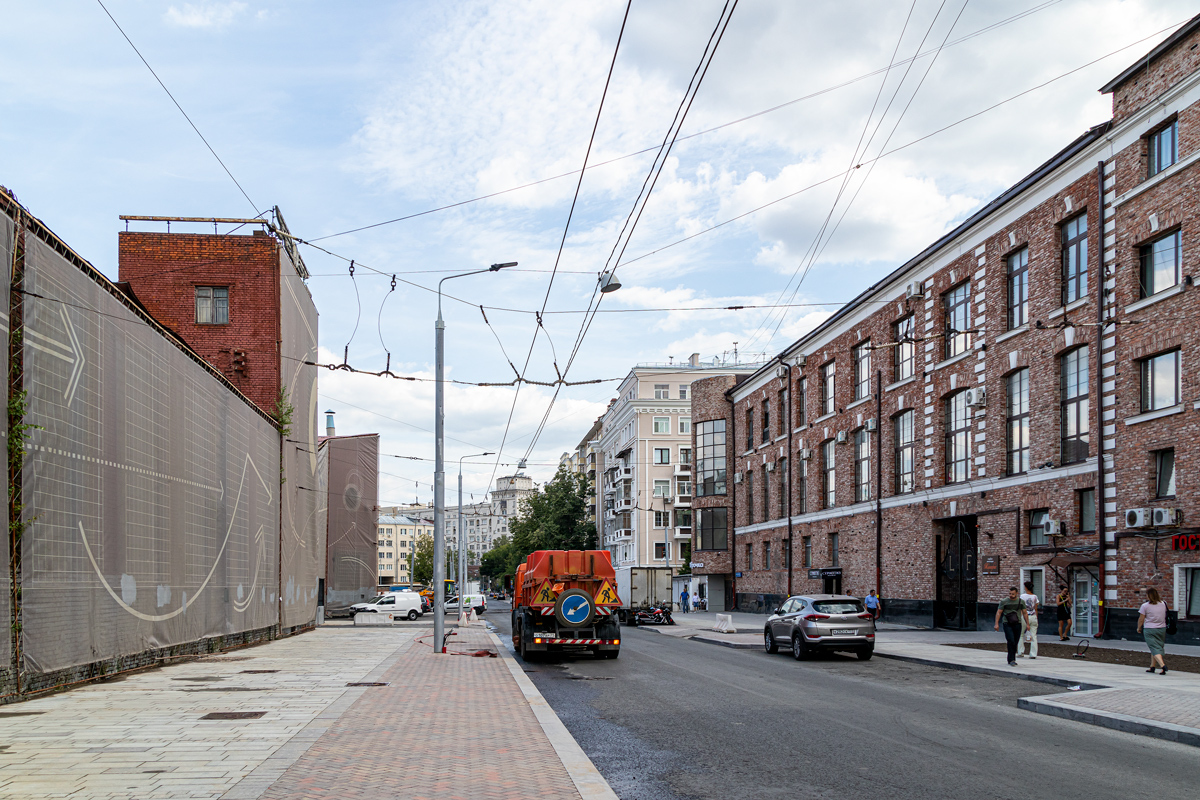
{"points": [[865, 616], [816, 616]]}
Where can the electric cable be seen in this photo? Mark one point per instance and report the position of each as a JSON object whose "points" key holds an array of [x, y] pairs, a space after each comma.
{"points": [[176, 102], [986, 29]]}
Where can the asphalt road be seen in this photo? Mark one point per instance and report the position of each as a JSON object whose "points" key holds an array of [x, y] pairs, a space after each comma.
{"points": [[673, 719]]}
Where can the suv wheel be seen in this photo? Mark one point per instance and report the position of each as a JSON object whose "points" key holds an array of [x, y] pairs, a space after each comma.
{"points": [[799, 648], [866, 653], [769, 642]]}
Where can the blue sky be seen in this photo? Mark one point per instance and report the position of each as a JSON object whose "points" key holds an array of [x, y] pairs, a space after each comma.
{"points": [[349, 114]]}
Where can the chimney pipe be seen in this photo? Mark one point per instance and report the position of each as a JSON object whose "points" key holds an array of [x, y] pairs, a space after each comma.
{"points": [[694, 359], [329, 429]]}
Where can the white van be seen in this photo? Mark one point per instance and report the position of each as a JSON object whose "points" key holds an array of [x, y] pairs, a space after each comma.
{"points": [[399, 604]]}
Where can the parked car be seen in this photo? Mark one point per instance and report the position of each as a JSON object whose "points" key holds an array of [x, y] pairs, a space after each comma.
{"points": [[806, 623], [398, 604], [475, 601]]}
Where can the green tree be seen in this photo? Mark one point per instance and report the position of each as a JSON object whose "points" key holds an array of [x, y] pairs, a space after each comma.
{"points": [[498, 562], [422, 571], [555, 518]]}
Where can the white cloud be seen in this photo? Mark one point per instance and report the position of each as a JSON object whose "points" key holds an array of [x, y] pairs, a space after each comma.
{"points": [[205, 15]]}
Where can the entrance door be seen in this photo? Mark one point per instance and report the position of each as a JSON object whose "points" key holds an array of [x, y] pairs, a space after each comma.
{"points": [[957, 579], [1087, 603], [833, 584]]}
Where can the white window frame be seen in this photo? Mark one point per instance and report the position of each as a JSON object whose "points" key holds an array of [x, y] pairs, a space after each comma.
{"points": [[1026, 572], [666, 460], [664, 485], [683, 391], [666, 431], [685, 426], [1181, 577], [654, 551], [662, 391]]}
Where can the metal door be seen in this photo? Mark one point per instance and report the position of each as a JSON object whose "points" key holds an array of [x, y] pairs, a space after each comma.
{"points": [[833, 584], [957, 577]]}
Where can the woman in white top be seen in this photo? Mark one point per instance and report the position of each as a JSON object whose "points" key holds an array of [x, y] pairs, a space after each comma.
{"points": [[1152, 623]]}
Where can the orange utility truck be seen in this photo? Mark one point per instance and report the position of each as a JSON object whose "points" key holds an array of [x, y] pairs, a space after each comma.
{"points": [[565, 601]]}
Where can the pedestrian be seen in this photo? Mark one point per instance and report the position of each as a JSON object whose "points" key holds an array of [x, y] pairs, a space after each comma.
{"points": [[1064, 614], [1152, 624], [1029, 628], [1012, 611], [683, 601], [873, 604]]}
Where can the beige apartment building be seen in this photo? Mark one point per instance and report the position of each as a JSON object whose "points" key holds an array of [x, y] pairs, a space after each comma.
{"points": [[645, 455], [398, 534]]}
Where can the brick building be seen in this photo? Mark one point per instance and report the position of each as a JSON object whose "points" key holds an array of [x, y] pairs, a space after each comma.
{"points": [[993, 410]]}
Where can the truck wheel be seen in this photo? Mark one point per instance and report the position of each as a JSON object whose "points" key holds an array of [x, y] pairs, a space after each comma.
{"points": [[412, 613]]}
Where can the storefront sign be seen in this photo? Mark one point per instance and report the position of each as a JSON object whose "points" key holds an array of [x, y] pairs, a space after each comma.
{"points": [[696, 565], [737, 574], [818, 574], [1185, 541], [991, 565]]}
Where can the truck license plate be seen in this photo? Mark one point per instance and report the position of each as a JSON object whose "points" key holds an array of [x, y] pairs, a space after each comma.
{"points": [[844, 632]]}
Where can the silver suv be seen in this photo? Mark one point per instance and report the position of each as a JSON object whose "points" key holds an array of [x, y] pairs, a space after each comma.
{"points": [[821, 622]]}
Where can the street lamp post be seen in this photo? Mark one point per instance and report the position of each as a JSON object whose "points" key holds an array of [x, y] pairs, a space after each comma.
{"points": [[462, 564], [439, 466]]}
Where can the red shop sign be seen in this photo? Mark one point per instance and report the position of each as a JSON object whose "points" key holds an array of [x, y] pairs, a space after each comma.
{"points": [[1185, 541]]}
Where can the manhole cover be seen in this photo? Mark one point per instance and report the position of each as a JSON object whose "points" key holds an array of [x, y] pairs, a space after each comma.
{"points": [[234, 715], [258, 671], [366, 683]]}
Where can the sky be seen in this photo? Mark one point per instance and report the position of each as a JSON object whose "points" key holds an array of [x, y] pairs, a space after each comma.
{"points": [[816, 156]]}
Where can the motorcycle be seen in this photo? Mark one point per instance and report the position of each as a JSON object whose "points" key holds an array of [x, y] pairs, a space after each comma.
{"points": [[654, 615]]}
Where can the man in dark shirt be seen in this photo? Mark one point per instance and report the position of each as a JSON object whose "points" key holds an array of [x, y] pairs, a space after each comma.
{"points": [[1012, 612]]}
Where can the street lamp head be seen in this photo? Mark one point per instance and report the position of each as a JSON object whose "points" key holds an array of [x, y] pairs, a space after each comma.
{"points": [[609, 282], [521, 464], [506, 264]]}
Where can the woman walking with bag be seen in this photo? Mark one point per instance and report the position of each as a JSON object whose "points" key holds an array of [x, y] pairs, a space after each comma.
{"points": [[1152, 623]]}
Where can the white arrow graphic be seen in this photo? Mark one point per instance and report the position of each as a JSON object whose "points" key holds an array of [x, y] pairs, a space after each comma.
{"points": [[72, 352]]}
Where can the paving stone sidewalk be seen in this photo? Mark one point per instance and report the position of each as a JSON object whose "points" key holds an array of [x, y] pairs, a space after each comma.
{"points": [[443, 727]]}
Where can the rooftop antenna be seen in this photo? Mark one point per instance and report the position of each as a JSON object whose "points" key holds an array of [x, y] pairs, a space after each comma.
{"points": [[735, 355]]}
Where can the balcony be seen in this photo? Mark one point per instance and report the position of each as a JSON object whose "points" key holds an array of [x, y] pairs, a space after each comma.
{"points": [[683, 469], [624, 474], [684, 500], [684, 532], [623, 504], [621, 534], [610, 490]]}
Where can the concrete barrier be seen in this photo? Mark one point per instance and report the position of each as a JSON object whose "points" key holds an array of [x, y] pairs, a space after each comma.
{"points": [[724, 624], [369, 618]]}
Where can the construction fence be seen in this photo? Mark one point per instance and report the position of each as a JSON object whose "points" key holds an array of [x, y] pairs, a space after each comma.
{"points": [[150, 515]]}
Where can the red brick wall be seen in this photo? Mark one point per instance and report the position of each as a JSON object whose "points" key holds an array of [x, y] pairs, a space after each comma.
{"points": [[164, 269], [709, 403], [1161, 74]]}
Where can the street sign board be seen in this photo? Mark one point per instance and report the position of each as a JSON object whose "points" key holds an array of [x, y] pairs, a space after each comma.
{"points": [[827, 572], [991, 565]]}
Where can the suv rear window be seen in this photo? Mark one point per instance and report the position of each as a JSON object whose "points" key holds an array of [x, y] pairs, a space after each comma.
{"points": [[838, 607]]}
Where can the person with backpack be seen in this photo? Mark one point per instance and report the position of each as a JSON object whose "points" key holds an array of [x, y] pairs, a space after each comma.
{"points": [[1152, 624], [1012, 611]]}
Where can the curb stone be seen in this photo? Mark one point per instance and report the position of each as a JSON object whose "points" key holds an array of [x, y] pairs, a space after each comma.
{"points": [[1009, 673], [590, 784], [1107, 719]]}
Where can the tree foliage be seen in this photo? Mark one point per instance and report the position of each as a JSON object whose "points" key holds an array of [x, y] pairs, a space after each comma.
{"points": [[553, 518], [422, 570]]}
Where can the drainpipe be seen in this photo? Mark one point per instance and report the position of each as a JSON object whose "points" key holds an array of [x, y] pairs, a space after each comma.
{"points": [[731, 487], [791, 567], [1101, 528], [879, 483]]}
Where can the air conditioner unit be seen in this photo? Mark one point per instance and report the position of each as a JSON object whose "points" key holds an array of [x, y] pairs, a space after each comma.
{"points": [[914, 289], [781, 371], [841, 437], [871, 424], [977, 398], [1138, 517], [1054, 527], [1166, 517], [737, 477], [805, 454], [801, 360], [769, 467]]}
